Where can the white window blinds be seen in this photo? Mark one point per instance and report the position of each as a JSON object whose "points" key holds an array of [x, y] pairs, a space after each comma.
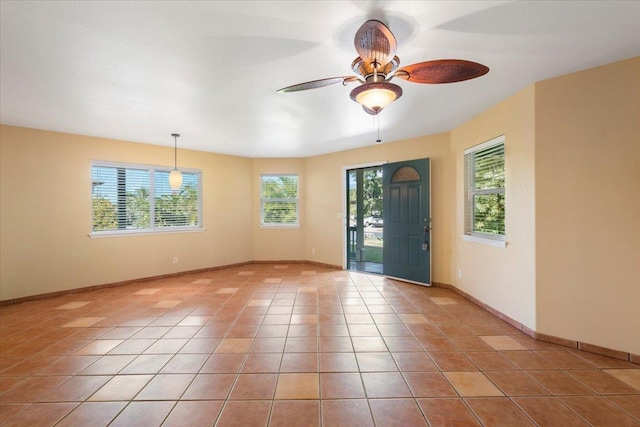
{"points": [[129, 198], [279, 200], [485, 190]]}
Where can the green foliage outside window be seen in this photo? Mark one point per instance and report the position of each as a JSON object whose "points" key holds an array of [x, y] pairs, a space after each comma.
{"points": [[280, 199], [177, 209], [138, 209], [489, 214], [171, 210], [485, 190], [104, 214], [122, 199], [489, 208], [372, 192]]}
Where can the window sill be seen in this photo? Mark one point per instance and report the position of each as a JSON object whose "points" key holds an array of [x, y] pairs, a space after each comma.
{"points": [[279, 225], [485, 241], [125, 233]]}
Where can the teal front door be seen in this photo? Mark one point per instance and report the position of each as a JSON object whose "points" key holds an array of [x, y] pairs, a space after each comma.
{"points": [[407, 221]]}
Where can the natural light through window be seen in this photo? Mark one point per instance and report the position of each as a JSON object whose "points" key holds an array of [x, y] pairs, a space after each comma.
{"points": [[129, 198], [279, 200], [485, 190]]}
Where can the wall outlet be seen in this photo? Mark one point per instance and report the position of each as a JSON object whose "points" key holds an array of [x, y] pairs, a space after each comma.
{"points": [[175, 259], [313, 251], [459, 274]]}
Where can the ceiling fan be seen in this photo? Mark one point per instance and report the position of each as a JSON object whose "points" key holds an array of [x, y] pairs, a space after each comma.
{"points": [[377, 64]]}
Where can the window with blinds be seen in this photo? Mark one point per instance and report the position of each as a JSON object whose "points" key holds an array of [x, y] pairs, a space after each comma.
{"points": [[130, 198], [484, 190], [279, 200]]}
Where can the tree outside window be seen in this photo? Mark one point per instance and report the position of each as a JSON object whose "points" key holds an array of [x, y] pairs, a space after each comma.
{"points": [[279, 200], [485, 190], [131, 197]]}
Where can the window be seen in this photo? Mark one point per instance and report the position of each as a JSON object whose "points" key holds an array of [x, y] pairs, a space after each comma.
{"points": [[484, 190], [131, 198], [279, 200], [405, 174]]}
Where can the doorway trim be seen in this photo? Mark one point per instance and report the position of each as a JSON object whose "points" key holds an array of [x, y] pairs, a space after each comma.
{"points": [[345, 208]]}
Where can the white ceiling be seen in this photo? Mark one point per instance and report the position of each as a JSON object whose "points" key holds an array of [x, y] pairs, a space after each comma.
{"points": [[139, 71]]}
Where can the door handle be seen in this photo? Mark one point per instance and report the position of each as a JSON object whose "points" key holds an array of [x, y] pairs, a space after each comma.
{"points": [[425, 238]]}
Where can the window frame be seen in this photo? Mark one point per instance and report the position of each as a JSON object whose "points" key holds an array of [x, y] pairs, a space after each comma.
{"points": [[296, 200], [152, 229], [498, 239]]}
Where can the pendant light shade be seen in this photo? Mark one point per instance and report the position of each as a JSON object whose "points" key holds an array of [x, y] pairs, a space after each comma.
{"points": [[175, 177]]}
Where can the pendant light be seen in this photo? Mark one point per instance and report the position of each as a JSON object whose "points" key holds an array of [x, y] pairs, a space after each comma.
{"points": [[175, 177]]}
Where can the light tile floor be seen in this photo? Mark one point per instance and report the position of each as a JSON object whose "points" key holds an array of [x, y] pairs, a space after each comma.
{"points": [[296, 345]]}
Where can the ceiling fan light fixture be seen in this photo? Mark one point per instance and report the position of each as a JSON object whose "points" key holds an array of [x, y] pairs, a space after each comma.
{"points": [[375, 96], [377, 64]]}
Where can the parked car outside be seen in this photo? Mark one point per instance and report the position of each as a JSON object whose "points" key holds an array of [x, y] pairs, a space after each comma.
{"points": [[373, 221]]}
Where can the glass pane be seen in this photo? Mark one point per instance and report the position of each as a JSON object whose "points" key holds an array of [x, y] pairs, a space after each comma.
{"points": [[176, 208], [280, 212], [372, 194], [279, 187], [404, 174], [489, 168], [488, 213], [352, 199], [137, 198], [120, 198], [279, 199]]}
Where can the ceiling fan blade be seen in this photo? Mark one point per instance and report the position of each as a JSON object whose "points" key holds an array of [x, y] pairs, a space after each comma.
{"points": [[317, 83], [375, 42], [442, 71]]}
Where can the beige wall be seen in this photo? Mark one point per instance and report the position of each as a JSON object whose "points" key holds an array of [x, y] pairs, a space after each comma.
{"points": [[66, 258], [45, 202], [325, 204], [588, 206], [278, 243], [503, 278]]}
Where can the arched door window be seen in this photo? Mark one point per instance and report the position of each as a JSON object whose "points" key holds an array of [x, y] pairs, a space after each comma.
{"points": [[405, 174]]}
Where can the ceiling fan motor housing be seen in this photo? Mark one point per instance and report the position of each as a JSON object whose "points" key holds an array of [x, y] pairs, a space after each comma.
{"points": [[367, 69]]}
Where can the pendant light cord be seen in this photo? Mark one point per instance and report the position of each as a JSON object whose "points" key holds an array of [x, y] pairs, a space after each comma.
{"points": [[175, 150]]}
